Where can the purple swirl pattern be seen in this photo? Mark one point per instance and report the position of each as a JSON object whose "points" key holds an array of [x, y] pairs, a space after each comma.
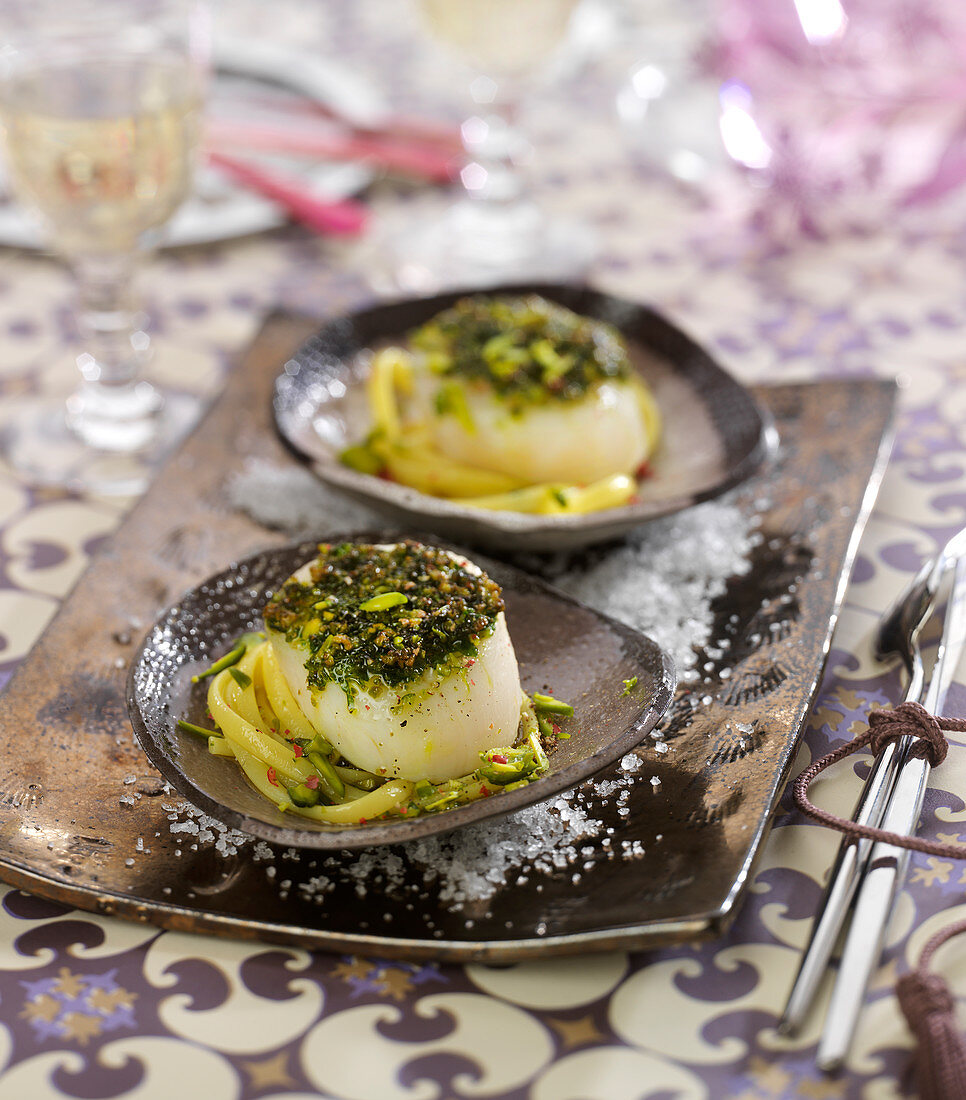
{"points": [[93, 1007]]}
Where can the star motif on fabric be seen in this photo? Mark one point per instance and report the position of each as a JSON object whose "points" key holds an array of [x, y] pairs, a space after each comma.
{"points": [[353, 969], [81, 1026], [107, 1003], [937, 871], [68, 984], [770, 1078], [77, 1006], [827, 1089], [104, 981], [270, 1072], [577, 1033], [395, 983], [395, 980], [844, 702], [851, 699], [43, 1007]]}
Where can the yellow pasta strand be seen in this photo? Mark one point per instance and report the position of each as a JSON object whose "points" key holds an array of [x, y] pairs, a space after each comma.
{"points": [[382, 391], [431, 472], [370, 806], [292, 720], [257, 772], [223, 697]]}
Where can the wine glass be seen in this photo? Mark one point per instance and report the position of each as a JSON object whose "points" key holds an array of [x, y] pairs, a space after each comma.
{"points": [[494, 231], [100, 102]]}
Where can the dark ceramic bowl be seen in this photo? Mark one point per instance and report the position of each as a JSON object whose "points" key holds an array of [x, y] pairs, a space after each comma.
{"points": [[561, 645], [715, 435]]}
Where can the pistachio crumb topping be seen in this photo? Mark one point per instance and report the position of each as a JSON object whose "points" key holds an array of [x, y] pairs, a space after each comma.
{"points": [[391, 612], [527, 349]]}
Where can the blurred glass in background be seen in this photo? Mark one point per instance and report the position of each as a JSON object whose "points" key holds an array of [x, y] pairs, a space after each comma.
{"points": [[100, 103]]}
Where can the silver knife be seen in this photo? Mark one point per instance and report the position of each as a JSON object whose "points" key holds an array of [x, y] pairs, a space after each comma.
{"points": [[905, 620], [887, 864]]}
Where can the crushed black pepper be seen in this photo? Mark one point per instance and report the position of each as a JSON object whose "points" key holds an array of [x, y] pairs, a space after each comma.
{"points": [[447, 612], [527, 349]]}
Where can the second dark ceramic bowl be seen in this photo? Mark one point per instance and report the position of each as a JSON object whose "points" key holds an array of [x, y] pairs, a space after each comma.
{"points": [[715, 435]]}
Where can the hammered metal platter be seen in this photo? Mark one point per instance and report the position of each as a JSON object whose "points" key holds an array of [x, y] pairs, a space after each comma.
{"points": [[68, 754]]}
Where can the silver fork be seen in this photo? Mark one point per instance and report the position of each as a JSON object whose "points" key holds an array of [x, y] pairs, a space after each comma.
{"points": [[898, 633], [887, 864]]}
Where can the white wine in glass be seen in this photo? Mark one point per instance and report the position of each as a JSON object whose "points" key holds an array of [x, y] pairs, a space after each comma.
{"points": [[101, 119], [103, 148], [501, 37], [494, 231]]}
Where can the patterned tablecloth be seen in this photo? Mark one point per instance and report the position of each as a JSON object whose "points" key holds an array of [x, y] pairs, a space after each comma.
{"points": [[94, 1007]]}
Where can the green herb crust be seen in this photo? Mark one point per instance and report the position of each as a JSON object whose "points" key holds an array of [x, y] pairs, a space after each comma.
{"points": [[528, 350], [390, 612]]}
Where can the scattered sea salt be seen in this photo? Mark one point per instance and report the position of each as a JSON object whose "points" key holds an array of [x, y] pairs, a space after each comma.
{"points": [[647, 582], [291, 499]]}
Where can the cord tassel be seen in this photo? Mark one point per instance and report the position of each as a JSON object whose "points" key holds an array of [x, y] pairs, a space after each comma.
{"points": [[930, 1011], [924, 997]]}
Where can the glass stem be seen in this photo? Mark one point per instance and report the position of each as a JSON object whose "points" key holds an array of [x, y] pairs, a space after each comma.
{"points": [[114, 409], [499, 222], [110, 321], [494, 148]]}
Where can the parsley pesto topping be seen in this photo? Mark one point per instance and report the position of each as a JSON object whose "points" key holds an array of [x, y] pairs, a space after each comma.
{"points": [[383, 611], [527, 349]]}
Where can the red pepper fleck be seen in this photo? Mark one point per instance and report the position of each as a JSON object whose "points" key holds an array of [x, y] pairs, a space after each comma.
{"points": [[297, 749], [312, 782], [498, 758], [644, 470], [555, 728], [271, 777]]}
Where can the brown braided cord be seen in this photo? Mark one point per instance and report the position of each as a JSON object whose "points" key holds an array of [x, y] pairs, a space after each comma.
{"points": [[906, 720], [924, 998], [930, 1012]]}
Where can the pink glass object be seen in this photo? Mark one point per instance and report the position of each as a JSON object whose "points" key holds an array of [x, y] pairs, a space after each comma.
{"points": [[846, 110]]}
